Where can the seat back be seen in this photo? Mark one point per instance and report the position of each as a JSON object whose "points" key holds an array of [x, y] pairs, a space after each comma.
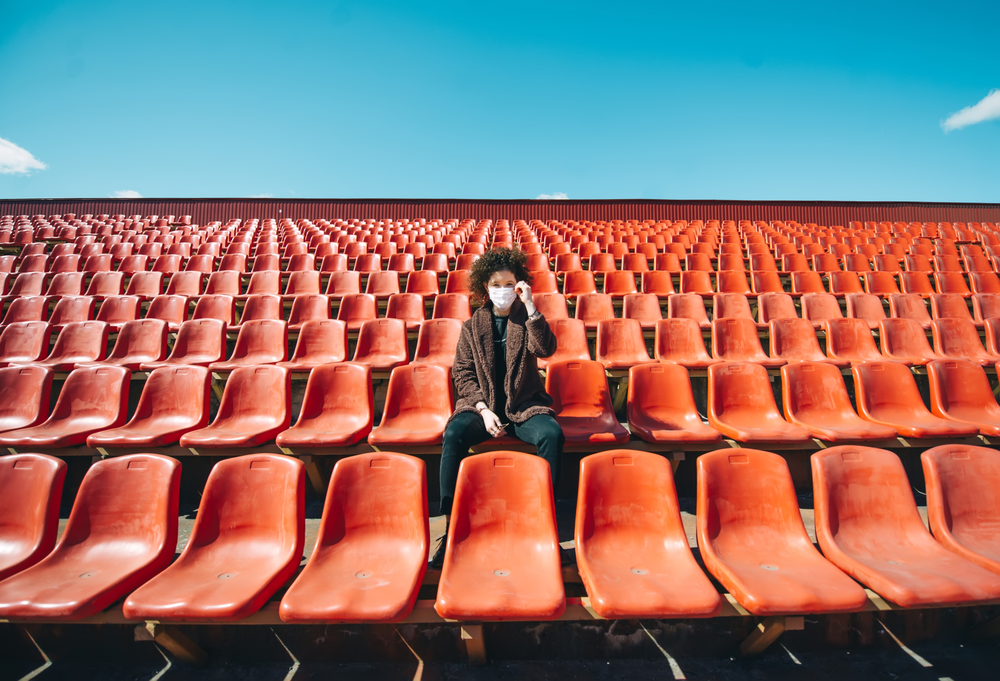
{"points": [[263, 340], [72, 309], [680, 340], [179, 395], [381, 340], [118, 309], [26, 309], [814, 392], [25, 341], [30, 493], [963, 387], [687, 306], [24, 397], [579, 390], [261, 306], [343, 389], [452, 306], [260, 393], [818, 307], [736, 340], [437, 341], [420, 394], [185, 283], [963, 494], [202, 340], [81, 342], [620, 342], [888, 389], [140, 340], [865, 306], [794, 340]]}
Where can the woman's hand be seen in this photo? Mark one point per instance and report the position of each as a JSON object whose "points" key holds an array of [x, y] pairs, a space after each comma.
{"points": [[524, 293], [493, 425]]}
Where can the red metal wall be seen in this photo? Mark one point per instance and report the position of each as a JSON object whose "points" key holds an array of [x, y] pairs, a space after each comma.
{"points": [[819, 212]]}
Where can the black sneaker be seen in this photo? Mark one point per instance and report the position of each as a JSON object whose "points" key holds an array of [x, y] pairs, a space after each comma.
{"points": [[438, 560]]}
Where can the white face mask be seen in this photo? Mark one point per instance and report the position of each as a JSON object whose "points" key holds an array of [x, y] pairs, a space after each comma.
{"points": [[502, 297]]}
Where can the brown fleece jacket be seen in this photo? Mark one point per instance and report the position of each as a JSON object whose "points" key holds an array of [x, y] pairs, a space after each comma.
{"points": [[473, 370]]}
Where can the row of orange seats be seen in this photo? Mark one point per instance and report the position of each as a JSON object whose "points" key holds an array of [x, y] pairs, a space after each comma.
{"points": [[632, 550]]}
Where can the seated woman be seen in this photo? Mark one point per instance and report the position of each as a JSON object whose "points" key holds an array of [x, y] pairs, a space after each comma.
{"points": [[495, 372]]}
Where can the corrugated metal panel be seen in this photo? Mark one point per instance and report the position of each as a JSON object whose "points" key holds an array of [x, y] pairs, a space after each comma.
{"points": [[819, 212]]}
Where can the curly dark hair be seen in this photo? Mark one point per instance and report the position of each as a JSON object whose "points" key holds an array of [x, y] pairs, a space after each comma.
{"points": [[494, 260]]}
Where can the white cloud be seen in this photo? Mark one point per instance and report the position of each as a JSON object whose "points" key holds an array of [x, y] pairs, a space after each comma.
{"points": [[261, 196], [551, 197], [14, 159], [126, 194], [985, 109]]}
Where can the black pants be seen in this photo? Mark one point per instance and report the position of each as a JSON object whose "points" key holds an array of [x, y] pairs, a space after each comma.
{"points": [[468, 429]]}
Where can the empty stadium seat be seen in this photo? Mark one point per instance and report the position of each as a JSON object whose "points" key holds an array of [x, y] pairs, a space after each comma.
{"points": [[910, 306], [867, 307], [139, 341], [24, 342], [418, 404], [502, 565], [886, 393], [374, 526], [985, 306], [571, 342], [592, 308], [437, 341], [582, 402], [984, 282], [255, 406], [27, 284], [657, 283], [408, 307], [122, 531], [452, 306], [551, 305], [25, 392], [741, 405], [818, 307], [262, 341], [752, 538], [736, 340], [357, 308], [619, 284], [916, 283], [697, 282], [815, 397], [71, 309], [903, 340], [766, 282], [880, 283], [77, 342], [246, 542], [771, 306], [337, 408], [199, 342], [807, 282], [308, 308], [259, 307], [661, 407], [631, 546], [844, 283], [30, 491], [26, 309], [958, 339], [343, 284], [382, 284], [382, 344], [963, 503], [145, 284], [576, 283], [620, 344], [65, 284], [689, 306], [794, 340], [116, 310], [424, 283], [644, 308], [867, 524], [731, 306], [185, 284], [952, 283], [174, 401], [680, 341], [960, 391]]}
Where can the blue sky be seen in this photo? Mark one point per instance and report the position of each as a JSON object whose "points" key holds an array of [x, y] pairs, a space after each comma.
{"points": [[710, 100]]}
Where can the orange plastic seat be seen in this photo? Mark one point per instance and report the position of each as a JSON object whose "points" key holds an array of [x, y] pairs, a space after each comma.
{"points": [[65, 284], [631, 546], [815, 397], [950, 306], [952, 282], [200, 263], [825, 262], [255, 406], [904, 340], [658, 283], [170, 309], [698, 262], [578, 282], [741, 405], [25, 392], [819, 307], [174, 401], [343, 284], [543, 282], [199, 342], [916, 283], [867, 307], [963, 503], [766, 282], [571, 342], [620, 344], [30, 491], [568, 262], [218, 307], [688, 306], [752, 539], [733, 282], [333, 262], [868, 525], [886, 393], [592, 308], [266, 262], [401, 262], [598, 262], [27, 284], [185, 284], [807, 282], [337, 408], [435, 262], [145, 284], [502, 564], [959, 339], [263, 341], [731, 306], [794, 340], [71, 309], [771, 306], [910, 306], [77, 342], [408, 307], [661, 407], [582, 402], [267, 282], [308, 307], [122, 531], [382, 284], [246, 543], [452, 306], [357, 308], [138, 342], [371, 550], [259, 307], [24, 342], [843, 283], [736, 340], [960, 391], [226, 283], [697, 282], [551, 305], [321, 341], [644, 308], [984, 282], [680, 341], [794, 262], [165, 264], [418, 404], [26, 309], [382, 344], [887, 262], [437, 342], [619, 284], [424, 283], [302, 283], [880, 283], [857, 262]]}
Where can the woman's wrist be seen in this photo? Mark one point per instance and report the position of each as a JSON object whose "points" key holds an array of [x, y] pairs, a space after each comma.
{"points": [[480, 407]]}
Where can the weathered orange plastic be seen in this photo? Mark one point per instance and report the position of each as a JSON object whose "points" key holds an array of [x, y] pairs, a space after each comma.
{"points": [[658, 283], [382, 284], [963, 501], [766, 282], [736, 340], [959, 339], [185, 284], [984, 282], [452, 306], [198, 342], [138, 342], [171, 309], [551, 305], [121, 532], [815, 397], [382, 344], [697, 282], [904, 340], [77, 342], [741, 405], [571, 342], [145, 284], [322, 341], [880, 283], [437, 342], [30, 492], [807, 282], [24, 342], [985, 306], [357, 308], [174, 401], [960, 391], [868, 525], [246, 543], [886, 393], [337, 408], [752, 539], [116, 310], [408, 307], [916, 283], [262, 341], [422, 282], [502, 561], [794, 340], [661, 405], [582, 402], [680, 341], [733, 282], [307, 307], [27, 284], [775, 306], [418, 404], [867, 307], [843, 283], [619, 284], [952, 283], [24, 397], [343, 283], [259, 307], [644, 308], [688, 306], [302, 283], [26, 309], [65, 284], [256, 405], [910, 306], [631, 547], [818, 307], [620, 344], [216, 307], [71, 309], [223, 282], [592, 308], [731, 306], [371, 551]]}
